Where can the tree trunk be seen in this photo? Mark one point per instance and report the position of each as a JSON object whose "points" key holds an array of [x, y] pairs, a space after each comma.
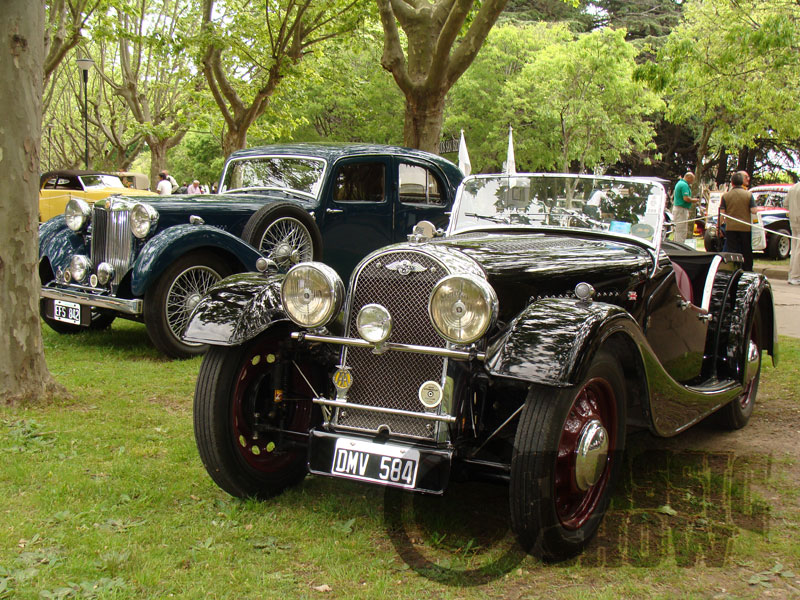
{"points": [[158, 160], [23, 371], [423, 124], [234, 139]]}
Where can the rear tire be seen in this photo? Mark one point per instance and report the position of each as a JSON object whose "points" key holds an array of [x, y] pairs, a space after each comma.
{"points": [[555, 508]]}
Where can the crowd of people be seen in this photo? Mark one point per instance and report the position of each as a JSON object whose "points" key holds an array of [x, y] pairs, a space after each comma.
{"points": [[168, 185]]}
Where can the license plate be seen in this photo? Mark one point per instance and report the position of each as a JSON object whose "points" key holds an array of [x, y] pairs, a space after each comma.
{"points": [[67, 312], [379, 463]]}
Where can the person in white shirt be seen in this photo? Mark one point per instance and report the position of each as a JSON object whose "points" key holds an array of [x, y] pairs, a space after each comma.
{"points": [[164, 186], [793, 204], [194, 188]]}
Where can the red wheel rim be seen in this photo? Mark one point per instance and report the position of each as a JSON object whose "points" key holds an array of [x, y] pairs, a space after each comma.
{"points": [[594, 402], [265, 452]]}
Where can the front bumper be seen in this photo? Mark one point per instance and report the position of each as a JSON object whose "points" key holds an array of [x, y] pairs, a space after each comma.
{"points": [[433, 471], [121, 305]]}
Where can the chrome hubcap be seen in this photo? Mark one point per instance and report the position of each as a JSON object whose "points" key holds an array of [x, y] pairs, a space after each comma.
{"points": [[753, 362], [591, 454]]}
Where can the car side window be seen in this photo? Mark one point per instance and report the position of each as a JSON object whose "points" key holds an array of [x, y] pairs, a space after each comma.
{"points": [[360, 182], [419, 185]]}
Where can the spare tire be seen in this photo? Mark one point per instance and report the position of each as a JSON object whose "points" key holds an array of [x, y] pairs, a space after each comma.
{"points": [[284, 233]]}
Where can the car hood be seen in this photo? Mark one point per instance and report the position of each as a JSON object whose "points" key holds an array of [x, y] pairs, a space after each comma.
{"points": [[522, 266], [229, 211]]}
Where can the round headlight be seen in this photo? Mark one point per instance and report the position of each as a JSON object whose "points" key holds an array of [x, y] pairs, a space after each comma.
{"points": [[374, 323], [77, 214], [105, 272], [462, 308], [312, 294], [143, 218], [80, 267]]}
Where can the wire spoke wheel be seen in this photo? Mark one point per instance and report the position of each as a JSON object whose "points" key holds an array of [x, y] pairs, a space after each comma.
{"points": [[287, 242], [185, 294]]}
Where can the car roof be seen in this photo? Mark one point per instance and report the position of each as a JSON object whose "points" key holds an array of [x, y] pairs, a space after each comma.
{"points": [[68, 173], [772, 187], [332, 151]]}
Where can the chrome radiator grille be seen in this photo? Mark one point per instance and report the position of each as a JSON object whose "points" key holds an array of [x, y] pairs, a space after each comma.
{"points": [[112, 240], [392, 379]]}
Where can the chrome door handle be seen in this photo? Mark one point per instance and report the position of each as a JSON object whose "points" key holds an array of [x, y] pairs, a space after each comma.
{"points": [[705, 317], [333, 211]]}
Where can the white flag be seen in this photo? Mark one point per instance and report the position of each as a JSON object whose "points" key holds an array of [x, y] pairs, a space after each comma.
{"points": [[463, 156], [510, 168]]}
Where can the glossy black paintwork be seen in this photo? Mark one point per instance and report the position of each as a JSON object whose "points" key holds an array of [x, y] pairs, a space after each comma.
{"points": [[237, 309]]}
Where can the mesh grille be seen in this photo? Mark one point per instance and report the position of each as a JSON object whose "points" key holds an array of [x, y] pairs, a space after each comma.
{"points": [[112, 240], [392, 380]]}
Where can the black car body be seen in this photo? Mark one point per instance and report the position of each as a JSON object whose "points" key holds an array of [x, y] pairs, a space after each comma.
{"points": [[153, 259], [519, 346]]}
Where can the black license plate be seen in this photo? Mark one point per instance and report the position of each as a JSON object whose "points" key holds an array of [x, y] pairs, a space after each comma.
{"points": [[379, 463]]}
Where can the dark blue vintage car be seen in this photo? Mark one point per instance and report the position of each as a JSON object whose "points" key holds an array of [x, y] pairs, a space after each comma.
{"points": [[519, 346], [153, 259]]}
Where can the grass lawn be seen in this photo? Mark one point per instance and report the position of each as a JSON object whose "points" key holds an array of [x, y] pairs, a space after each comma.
{"points": [[102, 495]]}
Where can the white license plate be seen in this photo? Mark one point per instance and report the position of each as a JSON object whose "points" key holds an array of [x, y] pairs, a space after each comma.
{"points": [[67, 312], [379, 463]]}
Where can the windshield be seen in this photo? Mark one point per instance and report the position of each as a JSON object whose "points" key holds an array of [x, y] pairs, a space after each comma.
{"points": [[616, 205], [100, 181], [770, 199], [298, 174]]}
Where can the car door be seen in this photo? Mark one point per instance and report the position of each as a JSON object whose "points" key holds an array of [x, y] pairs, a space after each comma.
{"points": [[676, 328], [356, 213], [421, 196]]}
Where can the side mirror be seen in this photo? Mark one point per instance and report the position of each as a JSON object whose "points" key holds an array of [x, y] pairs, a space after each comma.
{"points": [[422, 232]]}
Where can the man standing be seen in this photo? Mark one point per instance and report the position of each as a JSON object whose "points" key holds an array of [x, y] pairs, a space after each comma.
{"points": [[738, 204], [793, 204], [682, 201], [194, 188], [164, 186]]}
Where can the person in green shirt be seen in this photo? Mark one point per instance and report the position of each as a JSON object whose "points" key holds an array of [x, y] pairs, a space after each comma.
{"points": [[682, 201]]}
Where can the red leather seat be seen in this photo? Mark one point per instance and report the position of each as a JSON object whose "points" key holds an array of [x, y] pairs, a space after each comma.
{"points": [[684, 283]]}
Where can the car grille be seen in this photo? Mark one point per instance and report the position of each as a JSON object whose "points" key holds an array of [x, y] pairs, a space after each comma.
{"points": [[392, 379], [112, 240]]}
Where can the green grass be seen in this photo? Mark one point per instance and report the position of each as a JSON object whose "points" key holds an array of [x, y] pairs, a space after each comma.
{"points": [[102, 495]]}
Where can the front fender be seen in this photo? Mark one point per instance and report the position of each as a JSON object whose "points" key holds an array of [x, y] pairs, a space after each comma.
{"points": [[169, 245], [58, 243], [236, 309], [552, 338]]}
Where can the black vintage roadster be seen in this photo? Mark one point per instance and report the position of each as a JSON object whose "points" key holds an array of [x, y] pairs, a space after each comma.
{"points": [[520, 345]]}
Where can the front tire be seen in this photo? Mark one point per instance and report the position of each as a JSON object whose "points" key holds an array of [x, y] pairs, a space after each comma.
{"points": [[779, 246], [561, 474], [170, 301], [250, 438]]}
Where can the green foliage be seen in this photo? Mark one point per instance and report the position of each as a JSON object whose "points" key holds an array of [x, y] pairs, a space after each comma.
{"points": [[572, 101], [198, 157]]}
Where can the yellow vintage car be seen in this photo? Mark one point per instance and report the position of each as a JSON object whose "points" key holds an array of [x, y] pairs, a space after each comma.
{"points": [[57, 187]]}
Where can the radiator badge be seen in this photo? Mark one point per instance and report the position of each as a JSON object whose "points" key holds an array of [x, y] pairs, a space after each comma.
{"points": [[430, 394], [405, 267], [342, 379]]}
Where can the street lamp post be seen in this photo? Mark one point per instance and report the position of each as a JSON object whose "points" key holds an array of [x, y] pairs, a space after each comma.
{"points": [[84, 64]]}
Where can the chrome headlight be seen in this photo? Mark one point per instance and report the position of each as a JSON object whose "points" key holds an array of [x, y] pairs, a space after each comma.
{"points": [[312, 294], [79, 267], [105, 272], [374, 323], [77, 214], [143, 219], [462, 308]]}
